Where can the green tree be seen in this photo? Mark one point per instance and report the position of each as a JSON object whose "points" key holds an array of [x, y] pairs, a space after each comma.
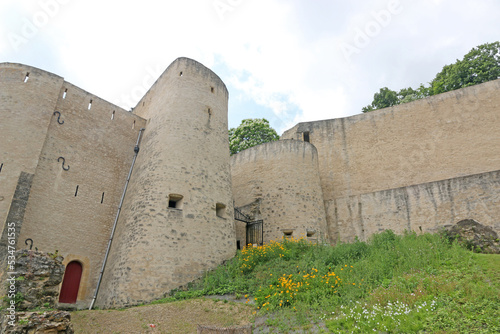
{"points": [[383, 99], [249, 133], [481, 64]]}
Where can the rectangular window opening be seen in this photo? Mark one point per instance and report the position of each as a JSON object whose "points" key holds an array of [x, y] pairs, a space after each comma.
{"points": [[287, 233], [212, 89], [310, 234], [306, 136], [102, 198], [90, 104], [65, 93], [175, 201], [238, 244], [27, 77], [220, 210], [76, 191]]}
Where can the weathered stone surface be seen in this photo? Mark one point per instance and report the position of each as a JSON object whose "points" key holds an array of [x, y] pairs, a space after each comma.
{"points": [[279, 183], [476, 237], [38, 278], [98, 146], [417, 166], [53, 322], [14, 220], [185, 156], [382, 153]]}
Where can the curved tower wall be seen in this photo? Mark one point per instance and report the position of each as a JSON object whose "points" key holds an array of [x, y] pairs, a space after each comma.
{"points": [[279, 183], [176, 221]]}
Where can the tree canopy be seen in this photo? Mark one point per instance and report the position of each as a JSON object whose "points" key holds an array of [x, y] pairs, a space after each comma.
{"points": [[479, 65], [249, 133]]}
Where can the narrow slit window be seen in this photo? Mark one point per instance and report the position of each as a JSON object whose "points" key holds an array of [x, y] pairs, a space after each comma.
{"points": [[90, 104], [220, 210], [26, 78], [175, 201], [238, 244], [65, 93], [306, 136], [180, 74], [1, 166], [211, 89], [113, 115], [76, 191], [102, 198], [133, 125], [143, 103]]}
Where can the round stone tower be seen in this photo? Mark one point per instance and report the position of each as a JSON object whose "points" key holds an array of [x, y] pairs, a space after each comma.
{"points": [[279, 183], [177, 218]]}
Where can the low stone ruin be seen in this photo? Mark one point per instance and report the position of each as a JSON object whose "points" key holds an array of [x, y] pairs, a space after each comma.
{"points": [[476, 237], [35, 286]]}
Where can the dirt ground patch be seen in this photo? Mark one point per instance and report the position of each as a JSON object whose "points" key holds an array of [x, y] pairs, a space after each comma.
{"points": [[175, 317]]}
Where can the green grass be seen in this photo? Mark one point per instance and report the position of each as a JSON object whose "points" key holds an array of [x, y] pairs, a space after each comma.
{"points": [[396, 284]]}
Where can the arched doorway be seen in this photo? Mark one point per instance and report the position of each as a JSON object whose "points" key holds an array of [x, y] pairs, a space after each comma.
{"points": [[71, 283]]}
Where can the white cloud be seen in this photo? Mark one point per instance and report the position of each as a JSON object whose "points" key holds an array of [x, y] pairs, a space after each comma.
{"points": [[284, 56]]}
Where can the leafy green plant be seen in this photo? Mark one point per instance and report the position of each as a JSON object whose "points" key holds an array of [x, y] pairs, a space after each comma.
{"points": [[297, 283]]}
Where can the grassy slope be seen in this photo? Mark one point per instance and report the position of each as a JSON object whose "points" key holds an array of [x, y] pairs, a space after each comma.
{"points": [[398, 284], [391, 277]]}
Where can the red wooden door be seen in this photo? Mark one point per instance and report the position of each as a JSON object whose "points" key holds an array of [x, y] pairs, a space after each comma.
{"points": [[71, 283]]}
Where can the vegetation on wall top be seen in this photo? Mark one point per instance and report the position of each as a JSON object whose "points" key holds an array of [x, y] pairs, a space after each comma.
{"points": [[480, 65], [251, 132]]}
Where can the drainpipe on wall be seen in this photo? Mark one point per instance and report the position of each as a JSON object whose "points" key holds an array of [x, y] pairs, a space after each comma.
{"points": [[136, 150]]}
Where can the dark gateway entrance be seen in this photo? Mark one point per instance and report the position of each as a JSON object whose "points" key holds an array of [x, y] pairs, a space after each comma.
{"points": [[254, 228]]}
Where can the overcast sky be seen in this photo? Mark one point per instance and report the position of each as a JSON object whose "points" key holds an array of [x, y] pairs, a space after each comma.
{"points": [[287, 61]]}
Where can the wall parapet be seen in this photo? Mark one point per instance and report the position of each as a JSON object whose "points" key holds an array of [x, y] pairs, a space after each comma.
{"points": [[427, 207]]}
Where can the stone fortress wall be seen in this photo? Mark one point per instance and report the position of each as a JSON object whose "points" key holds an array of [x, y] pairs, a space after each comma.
{"points": [[279, 183], [417, 166], [178, 216], [71, 210], [70, 205]]}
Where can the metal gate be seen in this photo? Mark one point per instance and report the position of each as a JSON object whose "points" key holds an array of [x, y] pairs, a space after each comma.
{"points": [[254, 229], [255, 233]]}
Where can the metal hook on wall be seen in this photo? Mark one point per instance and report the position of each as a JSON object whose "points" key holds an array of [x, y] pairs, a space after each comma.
{"points": [[58, 117], [63, 161], [26, 242]]}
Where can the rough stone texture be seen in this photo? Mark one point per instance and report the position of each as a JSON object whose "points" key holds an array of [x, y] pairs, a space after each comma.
{"points": [[53, 322], [38, 277], [98, 151], [184, 151], [443, 137], [15, 217], [417, 166], [25, 112], [202, 329], [427, 207], [477, 237], [283, 178]]}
